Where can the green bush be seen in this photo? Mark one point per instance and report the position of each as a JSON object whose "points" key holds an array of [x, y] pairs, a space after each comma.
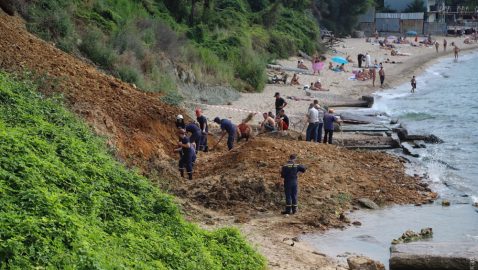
{"points": [[96, 49], [66, 204]]}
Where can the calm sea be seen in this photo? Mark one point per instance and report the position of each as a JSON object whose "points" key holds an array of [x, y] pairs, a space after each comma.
{"points": [[445, 104]]}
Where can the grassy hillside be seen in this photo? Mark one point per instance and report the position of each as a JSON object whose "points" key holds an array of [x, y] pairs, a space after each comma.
{"points": [[66, 204], [223, 41]]}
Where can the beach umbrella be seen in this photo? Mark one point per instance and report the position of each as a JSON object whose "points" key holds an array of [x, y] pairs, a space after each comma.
{"points": [[412, 33], [340, 60]]}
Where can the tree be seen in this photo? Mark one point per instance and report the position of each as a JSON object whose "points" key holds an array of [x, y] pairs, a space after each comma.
{"points": [[416, 6], [340, 16]]}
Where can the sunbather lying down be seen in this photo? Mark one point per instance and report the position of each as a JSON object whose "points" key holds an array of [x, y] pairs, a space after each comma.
{"points": [[362, 75], [300, 64], [397, 53], [388, 61], [317, 86]]}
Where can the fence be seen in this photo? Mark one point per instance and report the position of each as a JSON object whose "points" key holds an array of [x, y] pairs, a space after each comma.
{"points": [[435, 28]]}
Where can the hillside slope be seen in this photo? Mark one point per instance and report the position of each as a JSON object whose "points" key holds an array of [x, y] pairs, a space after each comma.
{"points": [[136, 124], [66, 204]]}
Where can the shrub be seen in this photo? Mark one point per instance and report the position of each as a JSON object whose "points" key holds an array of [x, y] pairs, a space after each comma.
{"points": [[94, 47]]}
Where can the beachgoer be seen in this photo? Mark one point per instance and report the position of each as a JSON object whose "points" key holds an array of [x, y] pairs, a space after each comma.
{"points": [[329, 119], [444, 45], [456, 50], [331, 66], [295, 80], [381, 73], [244, 131], [349, 59], [227, 127], [360, 58], [300, 64], [437, 45], [280, 103], [289, 172], [321, 120], [268, 124], [313, 120], [342, 68], [413, 82], [373, 75], [368, 60], [186, 154], [283, 121]]}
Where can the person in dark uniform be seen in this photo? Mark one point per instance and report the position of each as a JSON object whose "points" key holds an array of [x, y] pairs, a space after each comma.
{"points": [[180, 122], [229, 128], [202, 120], [360, 58], [186, 154], [280, 103], [196, 134], [289, 172]]}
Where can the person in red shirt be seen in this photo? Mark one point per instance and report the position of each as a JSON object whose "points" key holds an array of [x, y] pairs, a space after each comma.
{"points": [[243, 131]]}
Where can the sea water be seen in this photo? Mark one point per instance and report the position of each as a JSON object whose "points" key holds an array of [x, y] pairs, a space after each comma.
{"points": [[445, 104]]}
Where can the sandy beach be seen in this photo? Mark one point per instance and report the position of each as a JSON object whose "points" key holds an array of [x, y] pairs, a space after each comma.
{"points": [[341, 88]]}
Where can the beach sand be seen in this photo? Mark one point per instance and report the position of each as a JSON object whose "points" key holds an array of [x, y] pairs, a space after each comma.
{"points": [[342, 90]]}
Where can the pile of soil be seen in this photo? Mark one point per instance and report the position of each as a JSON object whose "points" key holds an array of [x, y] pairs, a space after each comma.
{"points": [[245, 181]]}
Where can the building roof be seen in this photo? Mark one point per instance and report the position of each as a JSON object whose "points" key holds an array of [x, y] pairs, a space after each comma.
{"points": [[401, 16]]}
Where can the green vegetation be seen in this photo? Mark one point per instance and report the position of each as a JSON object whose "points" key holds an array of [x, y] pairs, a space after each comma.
{"points": [[66, 204], [341, 16], [224, 42]]}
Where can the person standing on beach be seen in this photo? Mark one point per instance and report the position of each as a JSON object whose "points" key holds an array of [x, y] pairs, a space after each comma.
{"points": [[456, 50], [413, 82], [381, 73], [444, 45], [329, 119], [312, 128], [373, 75], [321, 120], [290, 172], [368, 60], [437, 45], [280, 103], [360, 59]]}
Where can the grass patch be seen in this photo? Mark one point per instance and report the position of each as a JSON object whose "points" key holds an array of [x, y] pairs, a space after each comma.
{"points": [[66, 204]]}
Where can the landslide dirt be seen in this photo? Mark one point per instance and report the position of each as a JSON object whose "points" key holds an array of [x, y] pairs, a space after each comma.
{"points": [[136, 123], [244, 182]]}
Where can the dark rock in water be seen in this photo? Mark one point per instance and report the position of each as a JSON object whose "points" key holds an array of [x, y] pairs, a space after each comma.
{"points": [[408, 149], [395, 140], [368, 203], [394, 121], [402, 133], [426, 138], [364, 263], [433, 256], [445, 203], [419, 144], [357, 223], [369, 100]]}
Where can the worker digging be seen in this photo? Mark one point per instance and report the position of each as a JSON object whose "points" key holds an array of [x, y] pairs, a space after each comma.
{"points": [[187, 154]]}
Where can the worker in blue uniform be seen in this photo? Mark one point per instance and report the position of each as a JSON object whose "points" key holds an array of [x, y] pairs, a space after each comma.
{"points": [[180, 121], [202, 120], [187, 154], [289, 172], [228, 128], [196, 134]]}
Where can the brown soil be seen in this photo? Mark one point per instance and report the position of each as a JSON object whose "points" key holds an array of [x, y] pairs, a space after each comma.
{"points": [[244, 182]]}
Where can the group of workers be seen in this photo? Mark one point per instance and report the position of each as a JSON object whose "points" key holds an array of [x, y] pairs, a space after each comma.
{"points": [[193, 138]]}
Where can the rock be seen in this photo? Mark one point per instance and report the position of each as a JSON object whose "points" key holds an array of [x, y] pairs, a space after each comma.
{"points": [[364, 263], [445, 203], [432, 255], [368, 203], [401, 132], [394, 121], [357, 223], [295, 239], [395, 140], [408, 149], [475, 204], [410, 236], [419, 144], [369, 99]]}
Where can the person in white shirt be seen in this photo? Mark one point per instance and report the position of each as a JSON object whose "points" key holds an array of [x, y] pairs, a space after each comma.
{"points": [[313, 127]]}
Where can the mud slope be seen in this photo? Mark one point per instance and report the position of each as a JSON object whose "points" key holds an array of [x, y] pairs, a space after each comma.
{"points": [[134, 122]]}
